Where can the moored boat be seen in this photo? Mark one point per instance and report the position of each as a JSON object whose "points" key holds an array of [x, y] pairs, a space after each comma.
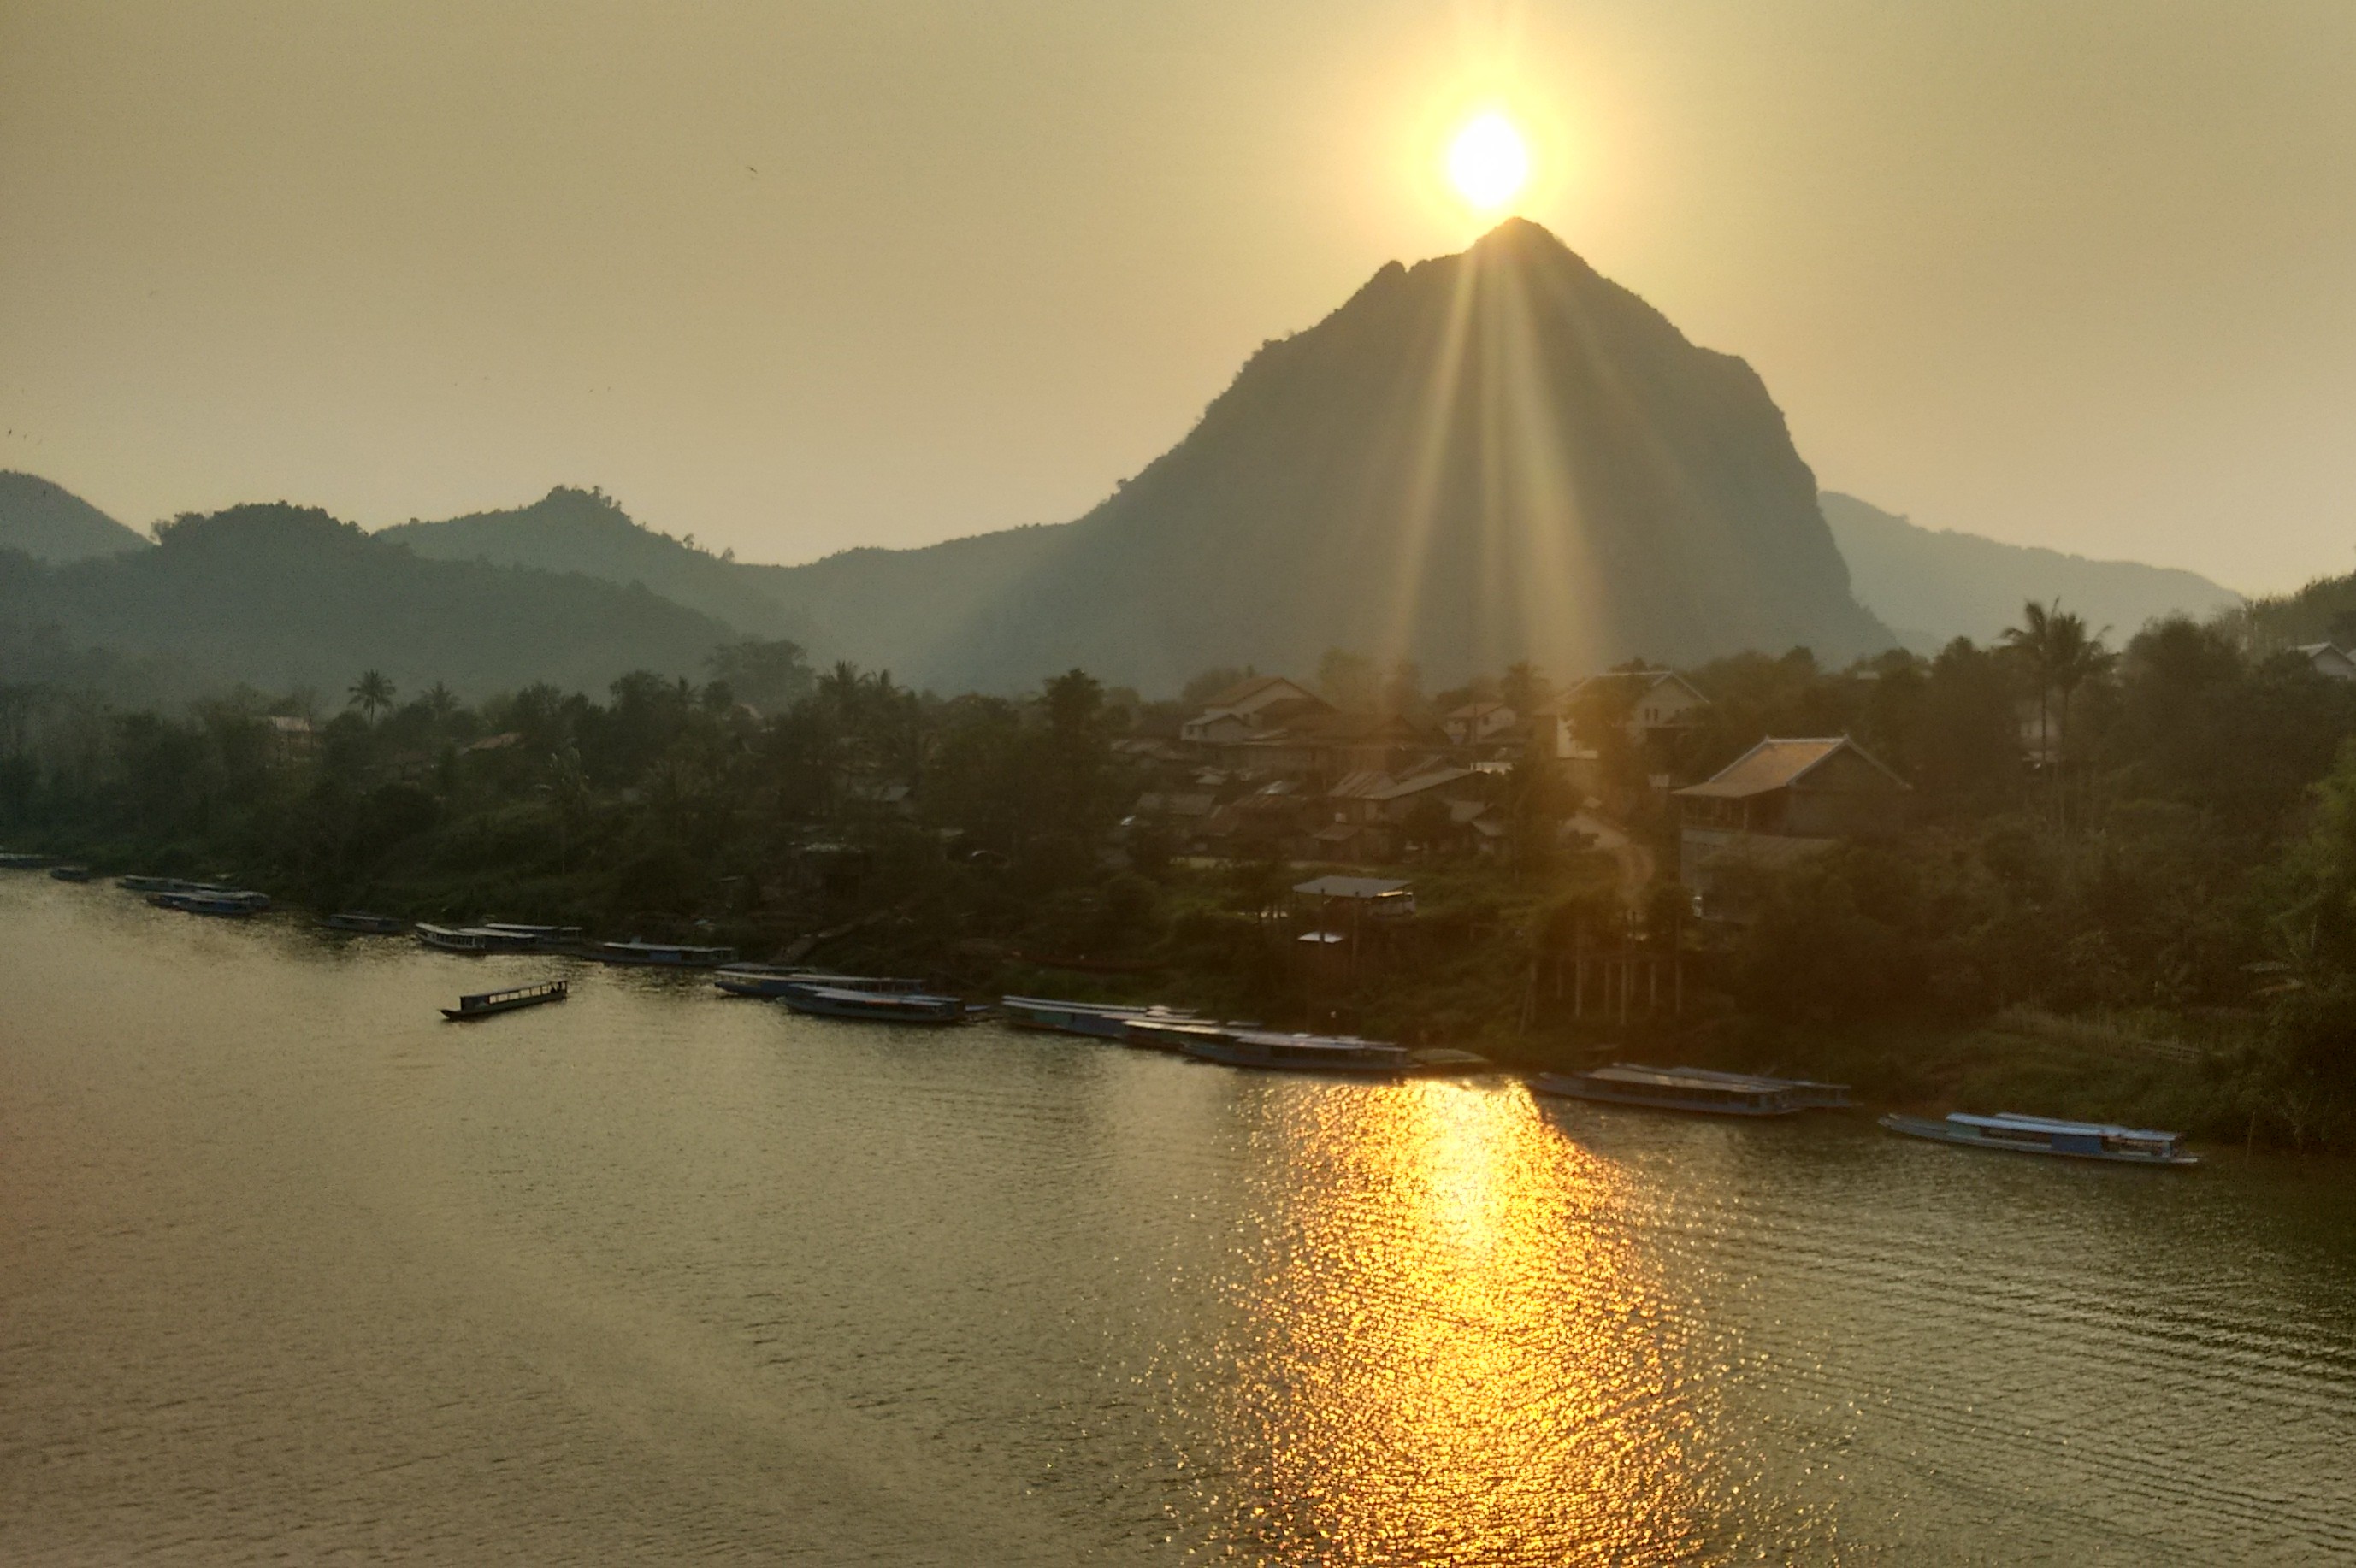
{"points": [[367, 924], [1268, 1050], [1099, 1020], [514, 936], [2015, 1134], [875, 1006], [232, 903], [774, 980], [465, 939], [1688, 1089], [662, 955], [69, 873], [156, 885], [484, 1004], [18, 860]]}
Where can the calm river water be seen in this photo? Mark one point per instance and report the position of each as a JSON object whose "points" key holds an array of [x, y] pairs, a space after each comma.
{"points": [[292, 1271]]}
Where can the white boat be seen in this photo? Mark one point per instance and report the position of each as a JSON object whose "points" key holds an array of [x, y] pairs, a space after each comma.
{"points": [[2015, 1134], [455, 938], [1099, 1020]]}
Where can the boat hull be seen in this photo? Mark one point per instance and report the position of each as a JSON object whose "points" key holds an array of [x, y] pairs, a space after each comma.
{"points": [[874, 1007], [1965, 1137], [495, 1003], [1563, 1088]]}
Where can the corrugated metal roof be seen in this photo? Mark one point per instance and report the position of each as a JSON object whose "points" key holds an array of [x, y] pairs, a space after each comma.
{"points": [[1351, 888], [1774, 764]]}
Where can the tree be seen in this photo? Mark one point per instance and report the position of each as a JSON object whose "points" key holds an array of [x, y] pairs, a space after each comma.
{"points": [[771, 675], [372, 694], [2061, 655], [1347, 681]]}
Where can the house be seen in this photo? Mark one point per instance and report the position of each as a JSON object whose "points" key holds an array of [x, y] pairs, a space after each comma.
{"points": [[2329, 660], [1782, 800], [1248, 708], [1329, 745], [1658, 703], [1477, 723], [1368, 812]]}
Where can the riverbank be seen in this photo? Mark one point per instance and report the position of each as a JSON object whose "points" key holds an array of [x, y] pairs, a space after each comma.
{"points": [[1459, 974]]}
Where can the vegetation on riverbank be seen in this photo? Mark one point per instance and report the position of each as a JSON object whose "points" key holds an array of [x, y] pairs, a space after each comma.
{"points": [[2158, 923]]}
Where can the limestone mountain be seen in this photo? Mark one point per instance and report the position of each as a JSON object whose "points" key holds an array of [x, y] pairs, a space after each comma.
{"points": [[1933, 584], [49, 522], [1486, 457]]}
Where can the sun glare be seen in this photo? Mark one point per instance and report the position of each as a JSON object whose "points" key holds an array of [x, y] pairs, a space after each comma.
{"points": [[1488, 162]]}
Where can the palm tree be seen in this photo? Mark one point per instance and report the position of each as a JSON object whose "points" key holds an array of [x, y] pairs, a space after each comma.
{"points": [[440, 701], [372, 694], [2063, 655]]}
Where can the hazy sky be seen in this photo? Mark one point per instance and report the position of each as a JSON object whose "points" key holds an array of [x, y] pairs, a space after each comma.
{"points": [[794, 276]]}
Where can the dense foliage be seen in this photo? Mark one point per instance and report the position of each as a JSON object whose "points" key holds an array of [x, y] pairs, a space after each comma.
{"points": [[2157, 847]]}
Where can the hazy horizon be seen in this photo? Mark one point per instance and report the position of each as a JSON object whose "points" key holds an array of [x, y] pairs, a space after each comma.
{"points": [[797, 282]]}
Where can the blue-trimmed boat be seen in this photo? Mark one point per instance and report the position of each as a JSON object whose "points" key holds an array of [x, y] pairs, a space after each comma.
{"points": [[2013, 1133], [877, 1006]]}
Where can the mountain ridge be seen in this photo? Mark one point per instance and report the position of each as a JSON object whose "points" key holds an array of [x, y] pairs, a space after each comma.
{"points": [[50, 523]]}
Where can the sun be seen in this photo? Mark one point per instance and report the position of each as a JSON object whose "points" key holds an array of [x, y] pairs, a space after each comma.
{"points": [[1488, 162]]}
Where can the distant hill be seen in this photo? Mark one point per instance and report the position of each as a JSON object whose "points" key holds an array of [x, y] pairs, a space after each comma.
{"points": [[283, 596], [50, 523], [588, 532], [1489, 456], [1932, 585]]}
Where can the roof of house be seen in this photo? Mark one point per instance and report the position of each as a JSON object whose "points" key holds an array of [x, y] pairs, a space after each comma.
{"points": [[1478, 709], [1351, 888], [1774, 764], [1636, 681], [1372, 783], [1243, 691]]}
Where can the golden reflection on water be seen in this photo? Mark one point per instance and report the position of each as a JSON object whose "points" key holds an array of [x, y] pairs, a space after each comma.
{"points": [[1454, 1357]]}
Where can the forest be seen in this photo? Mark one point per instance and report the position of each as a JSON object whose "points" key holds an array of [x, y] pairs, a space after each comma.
{"points": [[2129, 884]]}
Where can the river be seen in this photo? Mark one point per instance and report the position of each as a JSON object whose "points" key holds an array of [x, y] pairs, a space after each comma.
{"points": [[293, 1271]]}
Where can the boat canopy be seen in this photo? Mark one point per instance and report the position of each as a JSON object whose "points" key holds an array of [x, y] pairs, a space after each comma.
{"points": [[2013, 1121]]}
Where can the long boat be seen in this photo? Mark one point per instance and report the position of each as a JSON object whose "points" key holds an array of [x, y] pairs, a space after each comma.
{"points": [[1270, 1051], [69, 873], [367, 924], [157, 885], [876, 1007], [530, 938], [232, 905], [20, 860], [469, 939], [1100, 1020], [774, 980], [662, 955], [2015, 1134], [484, 1004], [1688, 1089]]}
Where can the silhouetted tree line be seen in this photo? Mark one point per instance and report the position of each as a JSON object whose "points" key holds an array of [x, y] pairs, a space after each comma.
{"points": [[2164, 836]]}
